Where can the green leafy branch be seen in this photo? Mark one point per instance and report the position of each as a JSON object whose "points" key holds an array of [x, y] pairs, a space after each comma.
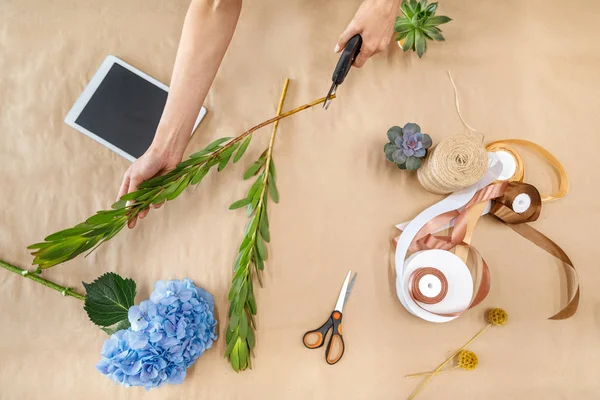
{"points": [[240, 336], [107, 301], [106, 224]]}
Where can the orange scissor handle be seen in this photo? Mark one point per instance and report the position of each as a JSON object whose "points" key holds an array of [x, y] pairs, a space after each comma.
{"points": [[316, 338]]}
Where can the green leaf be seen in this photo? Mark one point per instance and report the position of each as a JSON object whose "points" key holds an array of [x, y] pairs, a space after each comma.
{"points": [[167, 192], [413, 163], [393, 133], [256, 186], [437, 20], [431, 9], [66, 233], [223, 162], [119, 204], [100, 218], [420, 42], [216, 143], [200, 153], [260, 247], [260, 264], [189, 162], [184, 184], [243, 326], [406, 10], [426, 141], [134, 195], [389, 149], [254, 168], [233, 322], [234, 357], [240, 203], [264, 230], [108, 299], [409, 41], [198, 176], [116, 327], [434, 33], [250, 338], [272, 170], [243, 354], [251, 302], [273, 190], [403, 26], [231, 340], [242, 149]]}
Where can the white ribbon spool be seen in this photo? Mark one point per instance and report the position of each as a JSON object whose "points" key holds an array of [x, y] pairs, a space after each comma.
{"points": [[460, 281]]}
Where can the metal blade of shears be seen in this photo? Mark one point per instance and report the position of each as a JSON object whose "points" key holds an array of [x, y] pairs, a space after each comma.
{"points": [[339, 306], [329, 94]]}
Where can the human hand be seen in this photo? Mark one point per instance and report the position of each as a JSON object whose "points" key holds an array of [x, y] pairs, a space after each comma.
{"points": [[374, 20], [152, 163]]}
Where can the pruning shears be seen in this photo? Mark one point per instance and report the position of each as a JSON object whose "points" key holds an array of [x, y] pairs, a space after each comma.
{"points": [[343, 66]]}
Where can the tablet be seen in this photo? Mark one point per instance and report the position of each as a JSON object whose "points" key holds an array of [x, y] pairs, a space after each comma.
{"points": [[120, 108]]}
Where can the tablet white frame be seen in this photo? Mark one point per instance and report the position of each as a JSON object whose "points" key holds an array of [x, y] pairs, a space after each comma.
{"points": [[91, 88]]}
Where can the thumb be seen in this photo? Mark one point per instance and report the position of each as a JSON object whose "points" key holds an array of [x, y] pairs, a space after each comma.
{"points": [[344, 37]]}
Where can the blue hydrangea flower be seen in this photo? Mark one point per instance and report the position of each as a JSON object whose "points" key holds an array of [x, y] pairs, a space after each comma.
{"points": [[167, 335]]}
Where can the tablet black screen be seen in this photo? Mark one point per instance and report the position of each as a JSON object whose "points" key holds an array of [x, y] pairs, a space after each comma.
{"points": [[124, 110]]}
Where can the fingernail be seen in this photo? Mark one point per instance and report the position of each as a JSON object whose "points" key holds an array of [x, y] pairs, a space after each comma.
{"points": [[129, 202], [337, 48]]}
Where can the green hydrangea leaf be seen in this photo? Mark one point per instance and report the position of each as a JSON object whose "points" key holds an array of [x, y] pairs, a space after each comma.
{"points": [[108, 300]]}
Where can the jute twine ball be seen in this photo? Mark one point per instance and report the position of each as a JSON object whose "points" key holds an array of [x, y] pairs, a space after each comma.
{"points": [[453, 164]]}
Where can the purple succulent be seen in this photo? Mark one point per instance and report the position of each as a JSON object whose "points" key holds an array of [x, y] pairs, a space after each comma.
{"points": [[407, 146]]}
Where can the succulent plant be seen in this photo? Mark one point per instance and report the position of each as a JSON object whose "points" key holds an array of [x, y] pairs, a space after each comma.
{"points": [[417, 24], [407, 146]]}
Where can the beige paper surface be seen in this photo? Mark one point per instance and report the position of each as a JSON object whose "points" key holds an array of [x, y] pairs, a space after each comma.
{"points": [[525, 69]]}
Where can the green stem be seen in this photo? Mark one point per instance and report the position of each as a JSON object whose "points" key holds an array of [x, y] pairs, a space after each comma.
{"points": [[30, 275]]}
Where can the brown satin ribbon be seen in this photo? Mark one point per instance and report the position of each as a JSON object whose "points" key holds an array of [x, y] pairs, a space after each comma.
{"points": [[415, 290], [518, 222], [503, 194]]}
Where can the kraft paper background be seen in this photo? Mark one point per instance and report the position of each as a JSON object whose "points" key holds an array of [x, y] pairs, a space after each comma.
{"points": [[525, 69]]}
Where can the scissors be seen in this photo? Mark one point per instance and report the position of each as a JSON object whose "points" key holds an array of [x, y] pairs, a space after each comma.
{"points": [[335, 347], [343, 66]]}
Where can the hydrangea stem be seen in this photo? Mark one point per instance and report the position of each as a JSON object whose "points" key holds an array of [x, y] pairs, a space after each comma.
{"points": [[65, 291]]}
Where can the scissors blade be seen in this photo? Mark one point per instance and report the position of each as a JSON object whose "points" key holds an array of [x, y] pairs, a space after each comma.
{"points": [[349, 290], [339, 306], [331, 92]]}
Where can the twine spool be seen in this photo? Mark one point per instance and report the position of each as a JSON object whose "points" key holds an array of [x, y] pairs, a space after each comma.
{"points": [[453, 164]]}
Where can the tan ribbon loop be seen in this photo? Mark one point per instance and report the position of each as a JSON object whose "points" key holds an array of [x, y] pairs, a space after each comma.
{"points": [[507, 145]]}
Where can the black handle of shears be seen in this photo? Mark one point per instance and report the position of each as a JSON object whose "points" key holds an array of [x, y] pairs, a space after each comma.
{"points": [[346, 59]]}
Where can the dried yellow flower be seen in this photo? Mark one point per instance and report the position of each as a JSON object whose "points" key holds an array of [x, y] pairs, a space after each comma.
{"points": [[467, 360], [497, 316]]}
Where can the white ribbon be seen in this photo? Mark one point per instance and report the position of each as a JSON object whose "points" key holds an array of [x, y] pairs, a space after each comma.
{"points": [[460, 282]]}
